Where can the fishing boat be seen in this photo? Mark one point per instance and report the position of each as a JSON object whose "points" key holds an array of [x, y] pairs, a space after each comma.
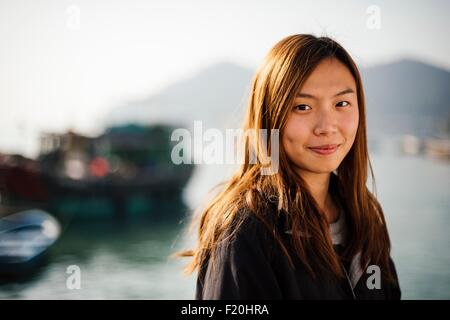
{"points": [[125, 172]]}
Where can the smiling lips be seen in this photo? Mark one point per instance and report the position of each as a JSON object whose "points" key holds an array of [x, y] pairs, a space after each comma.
{"points": [[325, 149]]}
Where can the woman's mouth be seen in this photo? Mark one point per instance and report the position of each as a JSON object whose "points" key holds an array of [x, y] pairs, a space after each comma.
{"points": [[325, 149]]}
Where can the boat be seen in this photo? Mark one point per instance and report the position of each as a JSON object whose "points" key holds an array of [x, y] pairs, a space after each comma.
{"points": [[125, 172], [438, 147], [411, 145], [25, 240]]}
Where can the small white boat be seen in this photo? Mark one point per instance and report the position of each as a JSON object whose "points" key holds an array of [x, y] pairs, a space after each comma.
{"points": [[25, 237]]}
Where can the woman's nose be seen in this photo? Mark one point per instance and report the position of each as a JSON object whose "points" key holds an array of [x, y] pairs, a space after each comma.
{"points": [[326, 123]]}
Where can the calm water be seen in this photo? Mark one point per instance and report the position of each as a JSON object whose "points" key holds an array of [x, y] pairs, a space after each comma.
{"points": [[415, 194], [131, 260]]}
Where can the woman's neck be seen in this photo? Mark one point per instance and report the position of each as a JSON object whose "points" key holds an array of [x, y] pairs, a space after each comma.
{"points": [[318, 185]]}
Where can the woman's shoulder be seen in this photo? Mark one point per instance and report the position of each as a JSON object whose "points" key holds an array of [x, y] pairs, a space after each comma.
{"points": [[251, 232], [242, 264], [262, 223]]}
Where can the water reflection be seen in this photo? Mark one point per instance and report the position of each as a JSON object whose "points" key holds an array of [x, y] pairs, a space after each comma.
{"points": [[118, 259]]}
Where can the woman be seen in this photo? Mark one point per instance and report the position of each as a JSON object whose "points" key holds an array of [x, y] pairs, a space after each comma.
{"points": [[311, 230]]}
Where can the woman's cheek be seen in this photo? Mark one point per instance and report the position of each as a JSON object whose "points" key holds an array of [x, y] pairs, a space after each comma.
{"points": [[349, 122], [295, 134], [298, 131]]}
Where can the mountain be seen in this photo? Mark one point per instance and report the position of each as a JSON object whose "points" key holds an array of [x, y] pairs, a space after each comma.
{"points": [[402, 97], [407, 97], [215, 95]]}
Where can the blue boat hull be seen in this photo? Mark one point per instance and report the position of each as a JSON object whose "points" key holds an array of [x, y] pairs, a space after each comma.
{"points": [[25, 239]]}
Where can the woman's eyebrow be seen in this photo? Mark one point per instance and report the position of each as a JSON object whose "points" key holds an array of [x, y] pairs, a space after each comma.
{"points": [[307, 95], [346, 91]]}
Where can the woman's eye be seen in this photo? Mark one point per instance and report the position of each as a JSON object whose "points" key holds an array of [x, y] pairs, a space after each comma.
{"points": [[343, 104], [302, 107]]}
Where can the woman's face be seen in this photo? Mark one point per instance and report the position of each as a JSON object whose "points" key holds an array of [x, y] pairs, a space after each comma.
{"points": [[324, 112]]}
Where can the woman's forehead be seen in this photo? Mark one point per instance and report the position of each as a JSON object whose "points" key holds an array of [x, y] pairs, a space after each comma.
{"points": [[329, 78]]}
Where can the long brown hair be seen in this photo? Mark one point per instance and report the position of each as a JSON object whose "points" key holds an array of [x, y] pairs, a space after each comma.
{"points": [[283, 71]]}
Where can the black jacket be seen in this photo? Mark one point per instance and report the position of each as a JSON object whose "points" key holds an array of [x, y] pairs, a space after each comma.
{"points": [[251, 265]]}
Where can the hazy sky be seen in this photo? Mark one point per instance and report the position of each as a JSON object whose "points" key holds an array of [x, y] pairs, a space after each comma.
{"points": [[63, 64]]}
